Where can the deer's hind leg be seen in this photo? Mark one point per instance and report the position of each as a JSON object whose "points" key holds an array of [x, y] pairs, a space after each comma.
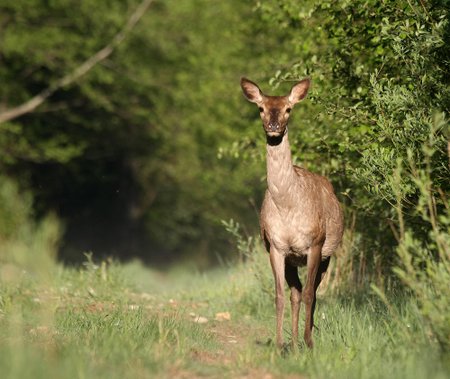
{"points": [[293, 281], [321, 271], [323, 267]]}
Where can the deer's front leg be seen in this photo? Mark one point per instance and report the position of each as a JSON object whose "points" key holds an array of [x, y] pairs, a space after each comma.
{"points": [[277, 262], [291, 274]]}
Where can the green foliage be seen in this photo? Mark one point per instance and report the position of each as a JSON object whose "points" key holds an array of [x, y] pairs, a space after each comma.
{"points": [[425, 262], [381, 79], [73, 153], [15, 209], [25, 243], [132, 146], [200, 119]]}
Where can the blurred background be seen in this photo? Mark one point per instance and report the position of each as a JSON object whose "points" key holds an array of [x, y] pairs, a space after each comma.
{"points": [[124, 132]]}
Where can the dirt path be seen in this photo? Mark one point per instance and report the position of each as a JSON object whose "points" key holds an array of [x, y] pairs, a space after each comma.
{"points": [[239, 341]]}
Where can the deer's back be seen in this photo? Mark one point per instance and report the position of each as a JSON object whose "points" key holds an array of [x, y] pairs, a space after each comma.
{"points": [[307, 214]]}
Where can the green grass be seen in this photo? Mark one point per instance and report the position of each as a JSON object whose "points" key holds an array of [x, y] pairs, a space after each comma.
{"points": [[118, 321]]}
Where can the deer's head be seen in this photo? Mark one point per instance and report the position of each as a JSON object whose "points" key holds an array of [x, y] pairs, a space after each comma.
{"points": [[274, 110]]}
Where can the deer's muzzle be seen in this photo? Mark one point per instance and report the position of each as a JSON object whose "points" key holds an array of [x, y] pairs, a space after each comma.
{"points": [[274, 126]]}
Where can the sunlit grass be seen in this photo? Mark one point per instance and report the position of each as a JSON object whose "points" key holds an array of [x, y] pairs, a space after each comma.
{"points": [[357, 335], [109, 320]]}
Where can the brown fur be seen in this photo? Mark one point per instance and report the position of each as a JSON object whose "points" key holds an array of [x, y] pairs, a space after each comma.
{"points": [[301, 219]]}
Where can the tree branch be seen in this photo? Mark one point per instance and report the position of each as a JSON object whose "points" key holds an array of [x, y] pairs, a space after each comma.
{"points": [[81, 70]]}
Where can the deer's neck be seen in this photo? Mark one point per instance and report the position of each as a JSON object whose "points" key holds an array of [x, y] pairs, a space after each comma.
{"points": [[280, 171]]}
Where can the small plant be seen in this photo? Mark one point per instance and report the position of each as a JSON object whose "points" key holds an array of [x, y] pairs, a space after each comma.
{"points": [[252, 253], [246, 245]]}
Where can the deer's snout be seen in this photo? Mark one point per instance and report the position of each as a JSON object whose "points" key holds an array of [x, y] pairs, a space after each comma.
{"points": [[274, 126]]}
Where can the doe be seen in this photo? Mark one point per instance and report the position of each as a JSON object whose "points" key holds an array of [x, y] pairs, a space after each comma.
{"points": [[301, 220]]}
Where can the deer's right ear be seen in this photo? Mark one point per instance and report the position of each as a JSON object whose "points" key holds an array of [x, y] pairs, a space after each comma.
{"points": [[251, 91], [299, 91]]}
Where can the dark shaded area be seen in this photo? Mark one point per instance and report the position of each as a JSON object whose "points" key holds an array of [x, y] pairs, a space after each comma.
{"points": [[96, 199]]}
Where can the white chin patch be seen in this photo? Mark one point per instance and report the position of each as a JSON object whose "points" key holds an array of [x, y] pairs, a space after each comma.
{"points": [[273, 134]]}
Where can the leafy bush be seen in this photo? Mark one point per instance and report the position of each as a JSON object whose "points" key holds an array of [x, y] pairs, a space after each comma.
{"points": [[424, 264]]}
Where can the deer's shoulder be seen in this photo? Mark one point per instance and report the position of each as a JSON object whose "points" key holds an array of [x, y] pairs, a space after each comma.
{"points": [[313, 179]]}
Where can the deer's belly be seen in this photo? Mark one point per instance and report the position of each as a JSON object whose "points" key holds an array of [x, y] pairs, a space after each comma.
{"points": [[294, 242]]}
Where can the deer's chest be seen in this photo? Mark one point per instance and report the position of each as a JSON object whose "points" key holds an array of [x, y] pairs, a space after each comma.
{"points": [[291, 229]]}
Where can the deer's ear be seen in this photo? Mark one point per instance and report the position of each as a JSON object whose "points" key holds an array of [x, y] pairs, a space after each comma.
{"points": [[299, 91], [251, 91]]}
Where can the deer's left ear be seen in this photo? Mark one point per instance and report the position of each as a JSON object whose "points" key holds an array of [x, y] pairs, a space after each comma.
{"points": [[251, 91], [299, 91]]}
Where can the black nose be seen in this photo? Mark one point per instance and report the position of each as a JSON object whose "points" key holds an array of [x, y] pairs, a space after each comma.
{"points": [[273, 126]]}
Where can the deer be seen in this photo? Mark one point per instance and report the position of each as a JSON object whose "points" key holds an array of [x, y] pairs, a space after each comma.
{"points": [[301, 220]]}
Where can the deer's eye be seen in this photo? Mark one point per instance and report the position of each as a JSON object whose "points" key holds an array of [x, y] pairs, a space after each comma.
{"points": [[288, 110], [261, 110]]}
